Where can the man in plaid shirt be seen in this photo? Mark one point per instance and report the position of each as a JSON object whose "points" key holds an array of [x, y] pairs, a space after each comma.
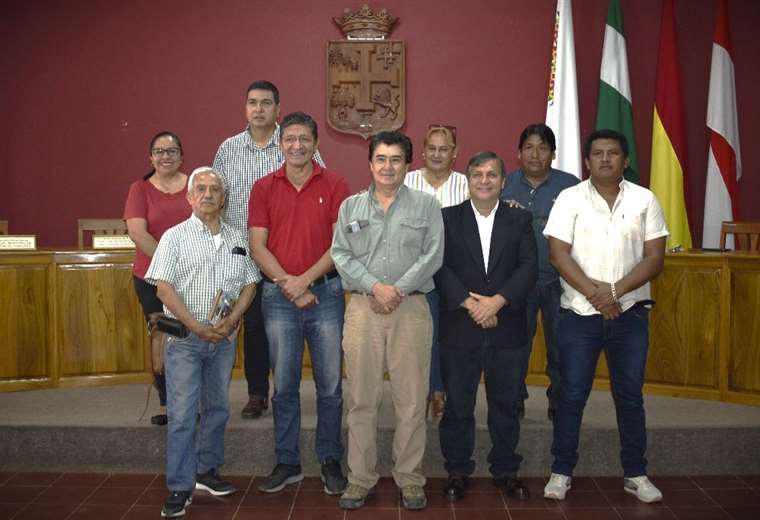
{"points": [[195, 260]]}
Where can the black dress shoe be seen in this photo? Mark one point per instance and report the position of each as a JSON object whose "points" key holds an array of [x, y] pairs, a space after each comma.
{"points": [[455, 488], [512, 487], [159, 420]]}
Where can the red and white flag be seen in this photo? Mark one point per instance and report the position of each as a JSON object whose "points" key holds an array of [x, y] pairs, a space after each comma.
{"points": [[724, 158]]}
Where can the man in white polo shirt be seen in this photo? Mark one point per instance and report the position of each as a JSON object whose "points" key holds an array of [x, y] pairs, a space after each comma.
{"points": [[607, 240]]}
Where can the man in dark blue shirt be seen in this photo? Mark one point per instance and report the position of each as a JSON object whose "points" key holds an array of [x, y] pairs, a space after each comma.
{"points": [[535, 187]]}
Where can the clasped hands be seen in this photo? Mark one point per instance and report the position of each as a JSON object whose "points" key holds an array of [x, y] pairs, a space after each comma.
{"points": [[385, 298], [483, 309], [603, 300], [224, 328], [296, 290]]}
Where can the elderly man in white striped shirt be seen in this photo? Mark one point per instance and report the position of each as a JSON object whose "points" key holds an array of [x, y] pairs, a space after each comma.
{"points": [[194, 262]]}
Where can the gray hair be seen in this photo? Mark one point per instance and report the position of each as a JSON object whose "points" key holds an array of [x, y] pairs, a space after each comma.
{"points": [[202, 170]]}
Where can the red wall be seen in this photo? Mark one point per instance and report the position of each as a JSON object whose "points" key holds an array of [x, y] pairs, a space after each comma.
{"points": [[86, 83]]}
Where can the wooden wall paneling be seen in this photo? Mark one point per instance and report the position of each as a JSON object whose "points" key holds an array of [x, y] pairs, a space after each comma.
{"points": [[101, 326], [24, 320], [684, 326], [744, 356]]}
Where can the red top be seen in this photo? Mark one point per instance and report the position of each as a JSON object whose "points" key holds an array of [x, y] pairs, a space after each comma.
{"points": [[300, 223], [161, 211]]}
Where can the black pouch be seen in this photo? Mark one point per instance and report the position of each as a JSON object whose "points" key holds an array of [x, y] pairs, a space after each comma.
{"points": [[171, 326]]}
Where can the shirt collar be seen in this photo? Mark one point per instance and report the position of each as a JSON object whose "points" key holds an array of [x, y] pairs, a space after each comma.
{"points": [[317, 170], [477, 213], [198, 223], [273, 141]]}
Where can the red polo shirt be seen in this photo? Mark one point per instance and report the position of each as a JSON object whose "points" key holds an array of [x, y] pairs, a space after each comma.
{"points": [[300, 223]]}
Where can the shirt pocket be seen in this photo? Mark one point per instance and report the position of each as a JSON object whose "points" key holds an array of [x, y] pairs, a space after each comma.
{"points": [[412, 232], [235, 269], [359, 242]]}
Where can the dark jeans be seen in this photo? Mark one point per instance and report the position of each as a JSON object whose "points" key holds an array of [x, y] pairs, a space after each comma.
{"points": [[436, 381], [461, 367], [256, 349], [625, 341], [546, 299]]}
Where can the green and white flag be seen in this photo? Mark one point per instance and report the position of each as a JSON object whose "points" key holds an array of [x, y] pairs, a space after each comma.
{"points": [[614, 110]]}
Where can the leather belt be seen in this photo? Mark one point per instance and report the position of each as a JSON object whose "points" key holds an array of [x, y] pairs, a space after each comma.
{"points": [[319, 281]]}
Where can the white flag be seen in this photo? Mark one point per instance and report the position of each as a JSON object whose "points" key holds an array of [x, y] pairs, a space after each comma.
{"points": [[562, 101]]}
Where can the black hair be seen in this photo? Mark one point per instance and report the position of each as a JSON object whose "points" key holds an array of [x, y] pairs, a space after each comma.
{"points": [[262, 84], [299, 118], [393, 137], [542, 131], [605, 133], [483, 157], [165, 133]]}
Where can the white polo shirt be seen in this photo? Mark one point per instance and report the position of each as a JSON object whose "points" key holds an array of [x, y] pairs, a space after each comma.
{"points": [[606, 244]]}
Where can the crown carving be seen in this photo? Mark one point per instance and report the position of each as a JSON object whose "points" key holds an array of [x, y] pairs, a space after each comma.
{"points": [[364, 24]]}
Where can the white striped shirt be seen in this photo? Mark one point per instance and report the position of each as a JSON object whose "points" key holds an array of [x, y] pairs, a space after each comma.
{"points": [[452, 192], [188, 259], [242, 163]]}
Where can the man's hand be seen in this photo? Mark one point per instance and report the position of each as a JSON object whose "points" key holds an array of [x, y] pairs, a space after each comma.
{"points": [[490, 323], [603, 301], [485, 307], [208, 333], [376, 307], [293, 287], [512, 203], [306, 300], [387, 296], [226, 326]]}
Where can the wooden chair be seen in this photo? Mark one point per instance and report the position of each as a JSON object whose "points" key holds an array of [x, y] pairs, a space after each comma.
{"points": [[746, 235], [3, 227], [100, 226]]}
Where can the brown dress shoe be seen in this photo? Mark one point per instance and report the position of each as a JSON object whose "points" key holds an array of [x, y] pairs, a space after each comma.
{"points": [[436, 405], [254, 408]]}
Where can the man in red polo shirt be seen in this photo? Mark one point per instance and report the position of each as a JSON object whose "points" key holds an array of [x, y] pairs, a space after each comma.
{"points": [[291, 215]]}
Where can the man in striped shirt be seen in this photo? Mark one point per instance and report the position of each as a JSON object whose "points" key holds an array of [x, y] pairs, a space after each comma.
{"points": [[242, 160], [194, 261]]}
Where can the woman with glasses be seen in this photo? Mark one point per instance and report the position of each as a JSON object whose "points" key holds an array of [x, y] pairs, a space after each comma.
{"points": [[437, 178], [155, 203]]}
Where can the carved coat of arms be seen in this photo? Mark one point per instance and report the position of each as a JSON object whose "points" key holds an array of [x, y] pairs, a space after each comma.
{"points": [[365, 75]]}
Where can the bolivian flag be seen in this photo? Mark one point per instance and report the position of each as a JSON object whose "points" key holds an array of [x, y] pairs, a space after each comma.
{"points": [[668, 169]]}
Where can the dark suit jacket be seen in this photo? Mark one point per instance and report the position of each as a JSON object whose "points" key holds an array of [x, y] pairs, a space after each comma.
{"points": [[512, 272]]}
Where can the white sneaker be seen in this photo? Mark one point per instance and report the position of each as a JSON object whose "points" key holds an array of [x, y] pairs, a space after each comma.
{"points": [[557, 486], [642, 488]]}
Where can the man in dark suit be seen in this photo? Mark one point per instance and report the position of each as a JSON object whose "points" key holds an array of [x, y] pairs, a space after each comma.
{"points": [[490, 266]]}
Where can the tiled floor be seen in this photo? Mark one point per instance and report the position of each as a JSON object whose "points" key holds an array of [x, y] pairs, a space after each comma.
{"points": [[79, 496]]}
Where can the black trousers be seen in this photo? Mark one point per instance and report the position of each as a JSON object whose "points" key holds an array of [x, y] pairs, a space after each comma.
{"points": [[256, 349], [462, 367]]}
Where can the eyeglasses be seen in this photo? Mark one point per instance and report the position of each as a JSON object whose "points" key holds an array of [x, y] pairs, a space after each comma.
{"points": [[171, 152]]}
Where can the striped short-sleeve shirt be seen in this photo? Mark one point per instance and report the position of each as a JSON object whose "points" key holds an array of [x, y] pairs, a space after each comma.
{"points": [[188, 259], [242, 163], [452, 192]]}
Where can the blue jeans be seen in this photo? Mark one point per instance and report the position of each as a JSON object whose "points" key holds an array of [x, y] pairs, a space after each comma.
{"points": [[322, 326], [625, 341], [546, 299], [196, 372], [436, 380], [462, 366]]}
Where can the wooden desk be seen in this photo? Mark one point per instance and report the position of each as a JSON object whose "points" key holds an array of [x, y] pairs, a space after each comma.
{"points": [[71, 318]]}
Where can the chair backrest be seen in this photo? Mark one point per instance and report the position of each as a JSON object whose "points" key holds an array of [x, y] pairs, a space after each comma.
{"points": [[746, 235], [3, 227], [100, 226]]}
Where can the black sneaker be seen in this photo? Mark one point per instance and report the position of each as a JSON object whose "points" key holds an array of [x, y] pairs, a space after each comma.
{"points": [[332, 476], [281, 476], [176, 503], [212, 482]]}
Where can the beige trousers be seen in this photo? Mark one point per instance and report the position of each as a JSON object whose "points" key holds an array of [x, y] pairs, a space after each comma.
{"points": [[398, 343]]}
